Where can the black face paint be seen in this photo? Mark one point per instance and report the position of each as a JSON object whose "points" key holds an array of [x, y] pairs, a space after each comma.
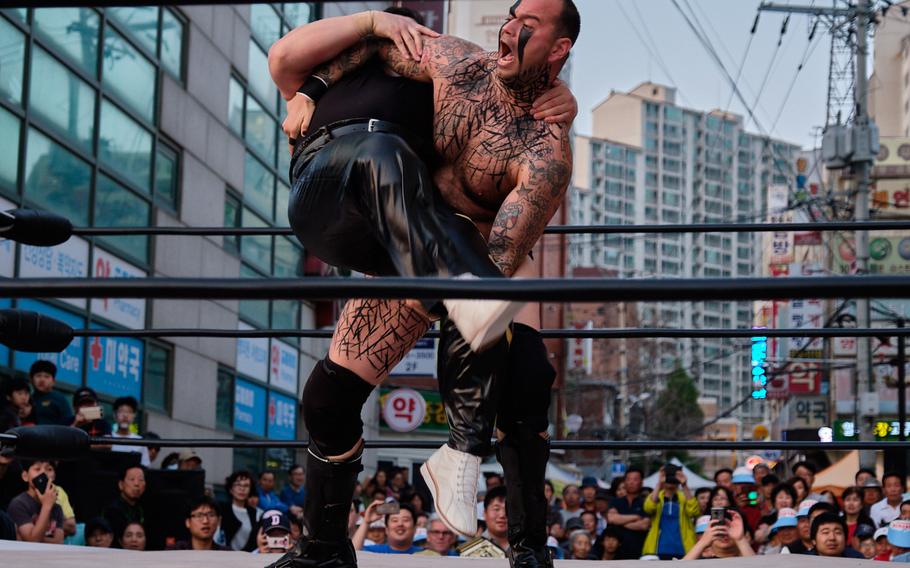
{"points": [[511, 13], [523, 37]]}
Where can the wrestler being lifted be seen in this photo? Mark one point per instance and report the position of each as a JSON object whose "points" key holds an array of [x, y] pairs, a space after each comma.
{"points": [[363, 198]]}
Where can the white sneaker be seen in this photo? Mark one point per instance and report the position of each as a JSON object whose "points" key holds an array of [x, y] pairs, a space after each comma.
{"points": [[452, 478], [481, 322]]}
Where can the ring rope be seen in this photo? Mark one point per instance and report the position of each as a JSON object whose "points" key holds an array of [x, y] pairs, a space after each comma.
{"points": [[542, 289]]}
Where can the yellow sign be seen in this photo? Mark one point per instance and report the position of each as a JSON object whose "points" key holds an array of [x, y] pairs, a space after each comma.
{"points": [[893, 160]]}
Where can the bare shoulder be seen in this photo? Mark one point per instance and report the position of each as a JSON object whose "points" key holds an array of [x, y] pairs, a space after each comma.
{"points": [[447, 50]]}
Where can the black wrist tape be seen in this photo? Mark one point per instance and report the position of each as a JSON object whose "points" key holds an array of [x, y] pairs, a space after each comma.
{"points": [[313, 87]]}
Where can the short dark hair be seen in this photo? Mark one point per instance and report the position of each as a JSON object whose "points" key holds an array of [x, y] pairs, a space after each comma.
{"points": [[892, 473], [42, 366], [125, 469], [701, 490], [98, 523], [592, 513], [637, 470], [14, 384], [784, 488], [567, 487], [201, 501], [722, 470], [823, 506], [904, 502], [806, 464], [864, 470], [126, 401], [498, 492], [266, 472], [294, 468], [569, 24], [770, 479], [239, 474], [404, 507], [611, 531], [407, 13], [827, 519], [152, 436]]}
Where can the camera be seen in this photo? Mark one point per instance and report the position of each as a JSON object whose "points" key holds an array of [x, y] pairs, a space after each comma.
{"points": [[670, 471], [390, 508], [40, 482], [718, 515], [91, 412], [278, 542]]}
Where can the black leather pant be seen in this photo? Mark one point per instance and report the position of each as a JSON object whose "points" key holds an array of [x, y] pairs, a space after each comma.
{"points": [[367, 202]]}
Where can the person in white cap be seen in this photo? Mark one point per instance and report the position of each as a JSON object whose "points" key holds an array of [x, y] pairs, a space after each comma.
{"points": [[899, 539], [784, 533], [882, 546]]}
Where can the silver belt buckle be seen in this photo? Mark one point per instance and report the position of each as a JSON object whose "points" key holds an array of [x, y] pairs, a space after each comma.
{"points": [[371, 125]]}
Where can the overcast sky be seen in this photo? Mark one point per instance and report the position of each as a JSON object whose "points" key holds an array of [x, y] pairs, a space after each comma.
{"points": [[611, 56]]}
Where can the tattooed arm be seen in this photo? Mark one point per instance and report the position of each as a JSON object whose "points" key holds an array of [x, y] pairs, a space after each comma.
{"points": [[293, 57], [542, 182]]}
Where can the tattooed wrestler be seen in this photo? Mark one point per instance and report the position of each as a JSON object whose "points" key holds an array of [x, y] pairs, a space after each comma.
{"points": [[505, 169]]}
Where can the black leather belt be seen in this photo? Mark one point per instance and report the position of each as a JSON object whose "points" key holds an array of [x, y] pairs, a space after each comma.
{"points": [[353, 126]]}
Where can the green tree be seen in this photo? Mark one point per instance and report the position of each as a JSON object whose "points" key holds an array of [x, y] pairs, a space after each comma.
{"points": [[676, 413]]}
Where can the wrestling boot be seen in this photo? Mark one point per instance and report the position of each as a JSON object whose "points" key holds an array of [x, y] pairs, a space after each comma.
{"points": [[329, 491], [523, 454], [470, 393], [481, 322]]}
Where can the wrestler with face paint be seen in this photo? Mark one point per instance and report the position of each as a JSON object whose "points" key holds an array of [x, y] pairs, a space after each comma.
{"points": [[507, 171]]}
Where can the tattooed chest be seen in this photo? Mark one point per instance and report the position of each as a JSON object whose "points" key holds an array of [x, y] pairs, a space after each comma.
{"points": [[483, 139]]}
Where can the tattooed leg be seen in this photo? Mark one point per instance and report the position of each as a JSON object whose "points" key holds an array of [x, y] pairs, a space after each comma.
{"points": [[372, 336]]}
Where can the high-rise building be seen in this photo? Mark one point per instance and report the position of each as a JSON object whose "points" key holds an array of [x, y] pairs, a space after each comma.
{"points": [[649, 160]]}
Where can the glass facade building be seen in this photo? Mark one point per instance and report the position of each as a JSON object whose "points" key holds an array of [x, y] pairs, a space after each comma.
{"points": [[130, 117]]}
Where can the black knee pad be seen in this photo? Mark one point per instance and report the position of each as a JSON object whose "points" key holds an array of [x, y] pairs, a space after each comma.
{"points": [[332, 401], [530, 380]]}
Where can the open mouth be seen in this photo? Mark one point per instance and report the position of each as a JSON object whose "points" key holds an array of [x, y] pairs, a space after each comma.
{"points": [[506, 55]]}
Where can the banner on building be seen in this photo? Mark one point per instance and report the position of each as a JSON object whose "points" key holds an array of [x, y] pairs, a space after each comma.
{"points": [[282, 418], [434, 419], [115, 365], [129, 313], [249, 408], [252, 355], [419, 362], [67, 260], [893, 160], [581, 350], [807, 412], [891, 198], [283, 363], [778, 246], [68, 361]]}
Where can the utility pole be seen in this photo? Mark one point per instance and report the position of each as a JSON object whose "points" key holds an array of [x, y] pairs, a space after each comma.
{"points": [[853, 146]]}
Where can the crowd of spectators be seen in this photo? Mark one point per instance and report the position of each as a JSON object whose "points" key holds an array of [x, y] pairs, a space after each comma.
{"points": [[746, 512]]}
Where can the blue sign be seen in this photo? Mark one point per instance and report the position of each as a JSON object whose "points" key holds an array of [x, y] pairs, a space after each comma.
{"points": [[69, 362], [618, 469], [5, 303], [282, 417], [759, 377], [249, 408], [114, 365]]}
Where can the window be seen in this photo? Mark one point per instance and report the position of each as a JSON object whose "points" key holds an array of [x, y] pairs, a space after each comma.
{"points": [[254, 312], [10, 128], [125, 146], [255, 250], [117, 206], [171, 47], [166, 172], [260, 130], [156, 389], [12, 46], [231, 219], [235, 106], [129, 74], [140, 22], [265, 24], [224, 401], [69, 107], [55, 179]]}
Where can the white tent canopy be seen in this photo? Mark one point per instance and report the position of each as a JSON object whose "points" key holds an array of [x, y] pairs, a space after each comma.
{"points": [[695, 480]]}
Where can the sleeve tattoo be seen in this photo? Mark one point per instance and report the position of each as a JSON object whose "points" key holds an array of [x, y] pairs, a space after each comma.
{"points": [[528, 208]]}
